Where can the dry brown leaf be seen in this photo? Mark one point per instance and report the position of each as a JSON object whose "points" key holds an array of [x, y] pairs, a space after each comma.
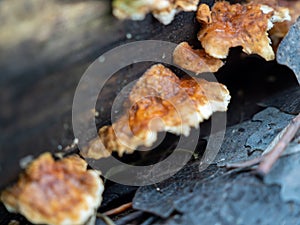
{"points": [[197, 61], [163, 10], [240, 25], [55, 192], [159, 101]]}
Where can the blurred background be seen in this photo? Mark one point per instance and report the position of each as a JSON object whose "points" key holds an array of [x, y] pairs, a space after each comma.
{"points": [[45, 46]]}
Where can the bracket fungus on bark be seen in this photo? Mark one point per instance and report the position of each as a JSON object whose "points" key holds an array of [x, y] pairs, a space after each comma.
{"points": [[56, 192], [159, 101], [163, 10], [235, 25], [195, 60]]}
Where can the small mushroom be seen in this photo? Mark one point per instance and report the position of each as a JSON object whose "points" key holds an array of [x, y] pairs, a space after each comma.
{"points": [[162, 10], [280, 29], [197, 61], [204, 14], [56, 192], [239, 25]]}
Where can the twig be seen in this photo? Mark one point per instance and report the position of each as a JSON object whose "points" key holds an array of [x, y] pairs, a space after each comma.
{"points": [[118, 210], [135, 216], [270, 158], [249, 163], [105, 218], [274, 151]]}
